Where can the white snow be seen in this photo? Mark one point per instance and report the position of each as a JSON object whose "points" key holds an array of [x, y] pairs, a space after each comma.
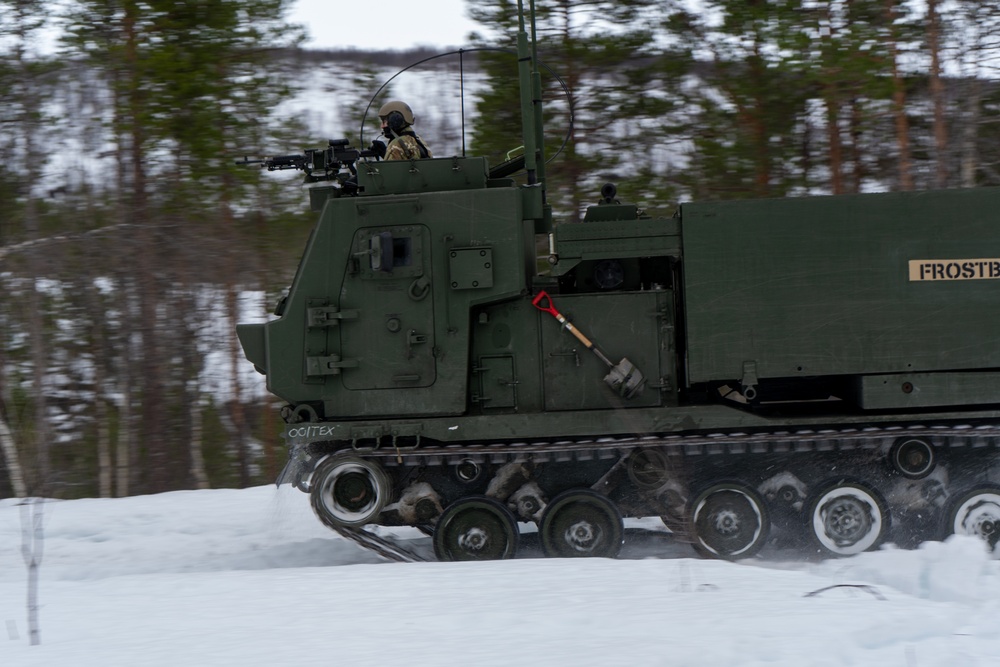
{"points": [[250, 577]]}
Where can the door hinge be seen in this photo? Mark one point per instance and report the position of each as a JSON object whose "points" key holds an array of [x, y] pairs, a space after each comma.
{"points": [[328, 316], [331, 365]]}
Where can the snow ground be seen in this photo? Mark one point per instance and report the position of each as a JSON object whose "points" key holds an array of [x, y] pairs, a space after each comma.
{"points": [[250, 577]]}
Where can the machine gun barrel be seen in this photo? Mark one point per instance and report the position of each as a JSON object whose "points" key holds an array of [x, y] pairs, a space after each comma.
{"points": [[279, 162], [320, 164]]}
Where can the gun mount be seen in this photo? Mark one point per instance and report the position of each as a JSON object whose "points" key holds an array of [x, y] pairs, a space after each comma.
{"points": [[335, 162]]}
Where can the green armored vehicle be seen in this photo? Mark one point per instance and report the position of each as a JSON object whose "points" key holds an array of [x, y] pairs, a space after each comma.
{"points": [[827, 365]]}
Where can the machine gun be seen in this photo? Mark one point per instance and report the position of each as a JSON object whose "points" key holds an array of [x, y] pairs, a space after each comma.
{"points": [[319, 164]]}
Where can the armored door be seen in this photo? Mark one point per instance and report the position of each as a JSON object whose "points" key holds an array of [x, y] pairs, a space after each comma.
{"points": [[387, 324]]}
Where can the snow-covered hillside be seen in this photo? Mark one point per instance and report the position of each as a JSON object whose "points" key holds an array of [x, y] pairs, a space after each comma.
{"points": [[250, 577]]}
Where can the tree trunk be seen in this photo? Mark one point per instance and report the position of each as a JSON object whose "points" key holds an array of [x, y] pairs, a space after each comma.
{"points": [[970, 152], [124, 454], [36, 323], [937, 94], [835, 147], [39, 367], [899, 103], [104, 468], [105, 472], [124, 446], [977, 51], [832, 100], [198, 472], [150, 361], [758, 124], [11, 460], [32, 543], [235, 356], [238, 414], [857, 163]]}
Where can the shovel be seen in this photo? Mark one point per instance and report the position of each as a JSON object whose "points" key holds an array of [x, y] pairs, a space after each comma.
{"points": [[623, 377]]}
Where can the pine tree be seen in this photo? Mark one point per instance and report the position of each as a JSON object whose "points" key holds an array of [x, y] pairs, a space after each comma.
{"points": [[192, 88], [22, 81], [597, 62]]}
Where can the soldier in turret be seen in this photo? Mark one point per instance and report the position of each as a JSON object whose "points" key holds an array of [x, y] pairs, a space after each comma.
{"points": [[397, 128]]}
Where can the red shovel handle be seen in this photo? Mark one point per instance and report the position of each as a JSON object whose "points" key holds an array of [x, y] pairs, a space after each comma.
{"points": [[547, 307], [551, 310]]}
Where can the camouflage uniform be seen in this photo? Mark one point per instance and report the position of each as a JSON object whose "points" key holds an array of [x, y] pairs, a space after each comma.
{"points": [[405, 147]]}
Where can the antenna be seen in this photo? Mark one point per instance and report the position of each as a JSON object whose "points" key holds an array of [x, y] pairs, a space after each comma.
{"points": [[530, 82], [530, 95]]}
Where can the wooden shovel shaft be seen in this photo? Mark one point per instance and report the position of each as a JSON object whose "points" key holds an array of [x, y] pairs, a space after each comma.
{"points": [[576, 332], [550, 308]]}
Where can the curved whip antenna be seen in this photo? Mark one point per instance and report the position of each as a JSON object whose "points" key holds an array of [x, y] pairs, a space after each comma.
{"points": [[461, 53]]}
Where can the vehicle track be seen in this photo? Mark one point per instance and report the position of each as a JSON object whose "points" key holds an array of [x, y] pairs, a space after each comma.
{"points": [[941, 437]]}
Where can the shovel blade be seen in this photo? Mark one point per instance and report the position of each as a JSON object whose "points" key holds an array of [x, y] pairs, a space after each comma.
{"points": [[625, 379]]}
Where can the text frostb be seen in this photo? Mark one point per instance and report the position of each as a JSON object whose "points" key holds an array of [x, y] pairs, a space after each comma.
{"points": [[954, 269]]}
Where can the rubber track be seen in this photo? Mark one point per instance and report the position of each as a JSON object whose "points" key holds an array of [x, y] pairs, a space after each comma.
{"points": [[385, 548], [717, 443]]}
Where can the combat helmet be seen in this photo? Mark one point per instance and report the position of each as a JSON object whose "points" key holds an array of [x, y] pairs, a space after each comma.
{"points": [[397, 115]]}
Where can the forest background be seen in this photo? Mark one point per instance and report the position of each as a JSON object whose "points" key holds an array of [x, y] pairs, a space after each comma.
{"points": [[131, 242]]}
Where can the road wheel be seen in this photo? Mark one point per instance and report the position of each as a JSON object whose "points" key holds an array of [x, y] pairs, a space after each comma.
{"points": [[976, 512], [846, 518], [729, 520], [475, 528], [580, 523]]}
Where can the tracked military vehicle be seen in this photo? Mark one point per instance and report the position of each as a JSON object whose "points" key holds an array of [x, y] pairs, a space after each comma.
{"points": [[826, 366]]}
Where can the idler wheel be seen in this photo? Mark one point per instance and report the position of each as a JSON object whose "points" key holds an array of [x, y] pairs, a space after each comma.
{"points": [[976, 512], [912, 457], [349, 491], [847, 517], [729, 520], [581, 523], [475, 528]]}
